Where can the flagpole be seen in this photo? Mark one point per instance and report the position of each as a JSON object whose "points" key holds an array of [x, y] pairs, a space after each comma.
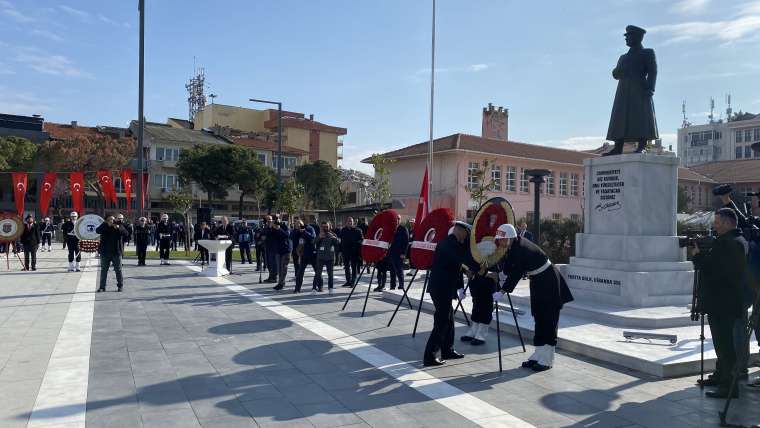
{"points": [[432, 92]]}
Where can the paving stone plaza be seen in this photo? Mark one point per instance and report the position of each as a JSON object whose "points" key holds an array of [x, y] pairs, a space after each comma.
{"points": [[179, 350]]}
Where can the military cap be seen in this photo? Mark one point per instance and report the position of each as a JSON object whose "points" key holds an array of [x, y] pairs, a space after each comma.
{"points": [[632, 29], [463, 225], [723, 189]]}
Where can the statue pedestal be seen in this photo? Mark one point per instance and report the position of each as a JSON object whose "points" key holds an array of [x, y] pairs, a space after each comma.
{"points": [[628, 254]]}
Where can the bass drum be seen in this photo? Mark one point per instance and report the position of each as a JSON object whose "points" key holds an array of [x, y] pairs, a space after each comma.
{"points": [[432, 230], [11, 227], [85, 227], [491, 215], [379, 236]]}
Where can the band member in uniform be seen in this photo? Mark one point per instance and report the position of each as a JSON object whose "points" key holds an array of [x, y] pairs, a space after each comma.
{"points": [[72, 242], [443, 286], [112, 234], [548, 291], [226, 231], [141, 232], [164, 238], [30, 239], [724, 193], [47, 229], [350, 245]]}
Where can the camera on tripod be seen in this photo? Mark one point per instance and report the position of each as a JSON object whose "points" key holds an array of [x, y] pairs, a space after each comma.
{"points": [[703, 239]]}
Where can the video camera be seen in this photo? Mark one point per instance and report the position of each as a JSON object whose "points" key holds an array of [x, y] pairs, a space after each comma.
{"points": [[703, 239]]}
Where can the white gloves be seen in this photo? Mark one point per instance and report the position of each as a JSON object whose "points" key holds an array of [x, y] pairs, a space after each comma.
{"points": [[498, 295], [462, 295], [502, 278]]}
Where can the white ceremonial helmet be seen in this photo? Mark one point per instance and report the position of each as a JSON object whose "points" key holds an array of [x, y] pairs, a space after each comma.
{"points": [[505, 231], [74, 214], [164, 216], [47, 219], [120, 216]]}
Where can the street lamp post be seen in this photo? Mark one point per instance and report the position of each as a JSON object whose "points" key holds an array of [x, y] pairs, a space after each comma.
{"points": [[537, 178], [279, 139]]}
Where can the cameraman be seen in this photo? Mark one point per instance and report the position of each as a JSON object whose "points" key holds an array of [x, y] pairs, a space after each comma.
{"points": [[724, 271]]}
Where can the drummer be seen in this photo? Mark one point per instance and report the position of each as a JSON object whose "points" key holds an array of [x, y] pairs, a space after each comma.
{"points": [[72, 241]]}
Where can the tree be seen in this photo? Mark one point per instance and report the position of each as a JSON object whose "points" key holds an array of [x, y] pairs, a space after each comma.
{"points": [[683, 200], [88, 153], [380, 185], [252, 177], [265, 193], [16, 153], [482, 183], [316, 178], [335, 198], [209, 167], [291, 198], [181, 202]]}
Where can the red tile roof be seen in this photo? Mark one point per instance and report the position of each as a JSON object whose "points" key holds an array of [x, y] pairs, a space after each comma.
{"points": [[734, 171], [302, 123], [66, 131], [472, 143], [255, 143], [687, 174]]}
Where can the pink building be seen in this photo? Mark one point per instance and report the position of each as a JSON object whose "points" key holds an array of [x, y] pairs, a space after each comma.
{"points": [[456, 156]]}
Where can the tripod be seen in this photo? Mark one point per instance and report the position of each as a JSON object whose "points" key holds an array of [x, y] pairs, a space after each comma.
{"points": [[422, 298], [405, 296], [353, 287], [697, 314]]}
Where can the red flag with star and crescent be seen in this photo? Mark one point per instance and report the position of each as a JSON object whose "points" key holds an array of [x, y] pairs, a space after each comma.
{"points": [[423, 206], [126, 181], [19, 191], [106, 183], [46, 192], [76, 185]]}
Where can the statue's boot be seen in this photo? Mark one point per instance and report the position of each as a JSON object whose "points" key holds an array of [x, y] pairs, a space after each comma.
{"points": [[617, 150], [642, 147]]}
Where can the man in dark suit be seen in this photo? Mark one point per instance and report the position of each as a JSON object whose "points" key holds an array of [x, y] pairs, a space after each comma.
{"points": [[141, 232], [350, 246], [226, 231], [395, 256], [111, 235], [443, 285], [524, 232], [30, 239]]}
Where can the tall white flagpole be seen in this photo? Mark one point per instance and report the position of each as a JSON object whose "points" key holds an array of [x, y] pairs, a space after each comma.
{"points": [[432, 92]]}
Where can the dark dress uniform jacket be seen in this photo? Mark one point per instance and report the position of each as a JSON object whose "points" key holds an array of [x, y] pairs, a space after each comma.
{"points": [[351, 240], [632, 117], [548, 289], [30, 237], [110, 239], [163, 229], [724, 270], [446, 272], [400, 242], [142, 234]]}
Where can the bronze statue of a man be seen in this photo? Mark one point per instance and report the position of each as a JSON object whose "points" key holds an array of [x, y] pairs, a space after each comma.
{"points": [[632, 117]]}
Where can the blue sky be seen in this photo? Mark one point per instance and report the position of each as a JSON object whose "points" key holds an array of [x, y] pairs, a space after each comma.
{"points": [[364, 65]]}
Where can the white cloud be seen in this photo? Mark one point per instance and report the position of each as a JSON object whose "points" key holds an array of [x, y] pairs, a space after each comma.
{"points": [[353, 161], [478, 67], [743, 26], [8, 9], [690, 7], [21, 103], [48, 35], [575, 143], [57, 65], [84, 16], [110, 21]]}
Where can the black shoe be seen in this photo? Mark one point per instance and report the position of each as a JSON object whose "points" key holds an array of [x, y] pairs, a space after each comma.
{"points": [[278, 287], [529, 364], [118, 289], [709, 381], [347, 285], [34, 268], [296, 291], [432, 362], [378, 288], [476, 342], [722, 393], [101, 289], [466, 338], [452, 355], [270, 280], [540, 367]]}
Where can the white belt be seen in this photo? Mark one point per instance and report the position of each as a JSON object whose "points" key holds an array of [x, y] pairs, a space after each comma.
{"points": [[164, 235], [539, 270], [376, 243]]}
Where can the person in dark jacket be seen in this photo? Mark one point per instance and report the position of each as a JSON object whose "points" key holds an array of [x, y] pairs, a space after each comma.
{"points": [[30, 240], [350, 245], [524, 232], [72, 241], [305, 250], [111, 236], [244, 240], [141, 232], [270, 248], [395, 256], [295, 237], [548, 291], [259, 239], [325, 246], [444, 285], [279, 242], [164, 235], [225, 231], [723, 274], [203, 232]]}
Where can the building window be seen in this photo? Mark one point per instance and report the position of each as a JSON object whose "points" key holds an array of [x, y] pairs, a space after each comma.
{"points": [[472, 175], [575, 217], [523, 180], [550, 183], [158, 180], [167, 182], [747, 152], [511, 179], [573, 184], [563, 183], [496, 178], [287, 162], [747, 135], [159, 153], [738, 153], [556, 216], [738, 136], [262, 158], [757, 134]]}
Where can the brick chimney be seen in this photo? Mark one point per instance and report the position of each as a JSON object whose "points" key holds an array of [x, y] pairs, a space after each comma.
{"points": [[495, 122]]}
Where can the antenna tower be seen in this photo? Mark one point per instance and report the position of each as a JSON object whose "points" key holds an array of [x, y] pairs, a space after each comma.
{"points": [[685, 122], [712, 109], [729, 111], [196, 99]]}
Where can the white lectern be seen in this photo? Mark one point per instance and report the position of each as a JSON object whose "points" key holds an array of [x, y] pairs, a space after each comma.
{"points": [[216, 268]]}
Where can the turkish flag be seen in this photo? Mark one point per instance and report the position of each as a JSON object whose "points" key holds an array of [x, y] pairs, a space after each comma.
{"points": [[19, 191], [423, 206], [76, 185], [46, 192], [144, 190], [126, 181], [106, 184]]}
